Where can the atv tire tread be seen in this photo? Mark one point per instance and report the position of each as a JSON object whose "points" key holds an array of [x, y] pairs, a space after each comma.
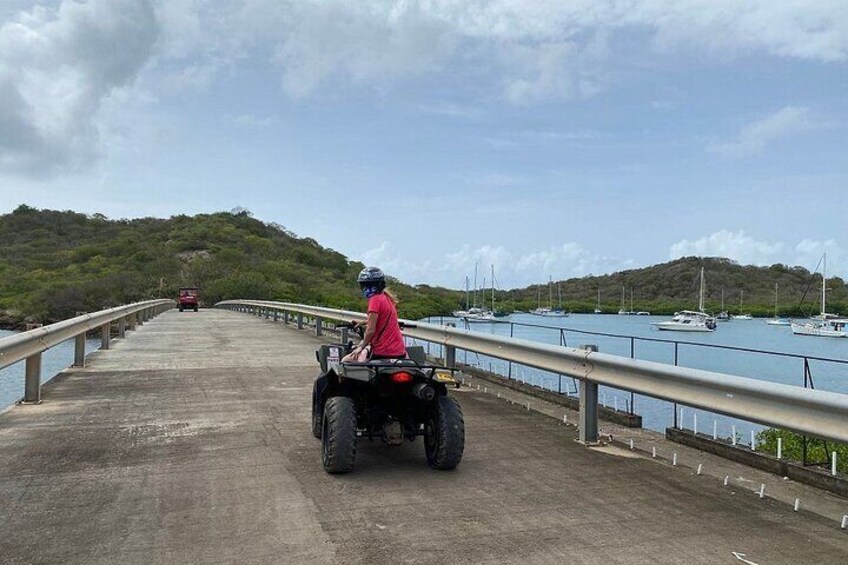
{"points": [[339, 434], [449, 445]]}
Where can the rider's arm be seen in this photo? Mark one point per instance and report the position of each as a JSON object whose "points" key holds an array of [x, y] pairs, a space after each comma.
{"points": [[370, 330]]}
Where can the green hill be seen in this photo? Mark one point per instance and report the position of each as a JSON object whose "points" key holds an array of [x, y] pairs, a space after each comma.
{"points": [[673, 286], [54, 264]]}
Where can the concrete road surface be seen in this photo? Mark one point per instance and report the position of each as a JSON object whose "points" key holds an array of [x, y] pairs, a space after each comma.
{"points": [[189, 442]]}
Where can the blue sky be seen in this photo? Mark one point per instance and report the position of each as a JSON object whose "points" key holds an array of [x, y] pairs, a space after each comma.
{"points": [[549, 138]]}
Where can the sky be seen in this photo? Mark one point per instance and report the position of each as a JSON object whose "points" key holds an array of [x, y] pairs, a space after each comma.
{"points": [[547, 138]]}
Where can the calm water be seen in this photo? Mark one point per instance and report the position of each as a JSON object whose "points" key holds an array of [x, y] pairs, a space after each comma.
{"points": [[657, 414], [53, 361]]}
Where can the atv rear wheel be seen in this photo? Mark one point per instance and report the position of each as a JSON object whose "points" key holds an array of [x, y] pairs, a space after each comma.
{"points": [[444, 434], [338, 434]]}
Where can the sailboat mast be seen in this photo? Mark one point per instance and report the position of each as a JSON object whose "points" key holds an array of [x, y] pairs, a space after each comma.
{"points": [[631, 299], [493, 289], [559, 294], [475, 285], [824, 284], [550, 292], [701, 301], [775, 300], [599, 298], [467, 294]]}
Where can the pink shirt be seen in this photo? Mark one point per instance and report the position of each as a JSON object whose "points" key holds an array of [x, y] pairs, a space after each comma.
{"points": [[387, 340]]}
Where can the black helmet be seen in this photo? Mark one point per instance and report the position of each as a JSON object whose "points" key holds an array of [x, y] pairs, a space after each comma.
{"points": [[371, 276]]}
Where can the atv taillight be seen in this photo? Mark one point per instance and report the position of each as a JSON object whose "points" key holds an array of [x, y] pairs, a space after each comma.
{"points": [[401, 377]]}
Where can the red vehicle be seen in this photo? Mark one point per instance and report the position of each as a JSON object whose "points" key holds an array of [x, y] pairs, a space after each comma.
{"points": [[188, 299]]}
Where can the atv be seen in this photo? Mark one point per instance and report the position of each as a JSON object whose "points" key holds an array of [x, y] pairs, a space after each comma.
{"points": [[389, 399]]}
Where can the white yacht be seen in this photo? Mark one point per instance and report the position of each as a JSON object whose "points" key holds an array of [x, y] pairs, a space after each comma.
{"points": [[828, 325], [689, 320]]}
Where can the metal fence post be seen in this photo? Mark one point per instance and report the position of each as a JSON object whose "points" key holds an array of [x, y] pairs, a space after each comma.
{"points": [[319, 326], [286, 317], [32, 384], [450, 351], [345, 335], [300, 320], [588, 407], [122, 328], [450, 356], [79, 350], [105, 330]]}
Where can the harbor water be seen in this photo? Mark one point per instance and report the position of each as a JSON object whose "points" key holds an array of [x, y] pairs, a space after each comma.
{"points": [[643, 341]]}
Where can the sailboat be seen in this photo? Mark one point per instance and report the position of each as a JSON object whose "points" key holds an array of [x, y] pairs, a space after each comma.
{"points": [[829, 325], [598, 307], [778, 321], [742, 316], [723, 316], [463, 313], [622, 311], [688, 320], [550, 311]]}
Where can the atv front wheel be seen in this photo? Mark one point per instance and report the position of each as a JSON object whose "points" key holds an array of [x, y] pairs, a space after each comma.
{"points": [[444, 434], [338, 434]]}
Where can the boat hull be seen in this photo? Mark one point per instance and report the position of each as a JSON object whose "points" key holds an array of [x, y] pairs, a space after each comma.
{"points": [[676, 327], [815, 331]]}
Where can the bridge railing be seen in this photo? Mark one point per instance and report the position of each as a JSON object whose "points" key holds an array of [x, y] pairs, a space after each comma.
{"points": [[28, 346], [818, 413]]}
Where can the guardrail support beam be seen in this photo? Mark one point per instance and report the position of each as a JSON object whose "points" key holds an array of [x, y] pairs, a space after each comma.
{"points": [[345, 335], [319, 326], [32, 384], [588, 408], [450, 356], [286, 318], [122, 328], [299, 321], [105, 330], [79, 350]]}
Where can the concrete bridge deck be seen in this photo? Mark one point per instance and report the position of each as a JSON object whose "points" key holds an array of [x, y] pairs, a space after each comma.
{"points": [[189, 442]]}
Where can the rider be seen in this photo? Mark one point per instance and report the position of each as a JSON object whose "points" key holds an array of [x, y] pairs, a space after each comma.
{"points": [[382, 332]]}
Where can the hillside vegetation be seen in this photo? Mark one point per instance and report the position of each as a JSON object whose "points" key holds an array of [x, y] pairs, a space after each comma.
{"points": [[54, 264], [673, 286]]}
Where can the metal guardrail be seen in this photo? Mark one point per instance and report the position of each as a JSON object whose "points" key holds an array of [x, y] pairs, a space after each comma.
{"points": [[818, 413], [28, 346]]}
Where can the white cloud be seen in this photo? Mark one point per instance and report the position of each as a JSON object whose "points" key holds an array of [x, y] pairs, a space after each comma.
{"points": [[746, 250], [59, 64], [738, 246], [56, 69], [786, 122], [511, 269], [451, 110]]}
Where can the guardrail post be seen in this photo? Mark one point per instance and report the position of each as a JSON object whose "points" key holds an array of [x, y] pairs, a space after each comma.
{"points": [[588, 407], [131, 322], [276, 315], [79, 350], [286, 318], [299, 321], [122, 328], [32, 384], [450, 351], [345, 335], [105, 330], [319, 326]]}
